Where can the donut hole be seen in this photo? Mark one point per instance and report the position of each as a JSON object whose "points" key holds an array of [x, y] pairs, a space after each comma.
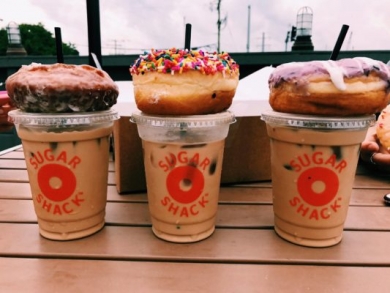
{"points": [[318, 186], [55, 182], [185, 184]]}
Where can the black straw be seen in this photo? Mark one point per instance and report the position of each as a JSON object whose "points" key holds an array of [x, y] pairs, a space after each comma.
{"points": [[187, 42], [339, 43], [60, 56]]}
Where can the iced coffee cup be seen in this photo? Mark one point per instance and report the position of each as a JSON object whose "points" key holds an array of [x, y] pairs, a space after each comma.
{"points": [[67, 162], [183, 162], [313, 161]]}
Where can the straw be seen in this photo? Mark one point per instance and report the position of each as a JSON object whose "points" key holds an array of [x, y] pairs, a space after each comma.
{"points": [[187, 42], [60, 56], [339, 43], [96, 60]]}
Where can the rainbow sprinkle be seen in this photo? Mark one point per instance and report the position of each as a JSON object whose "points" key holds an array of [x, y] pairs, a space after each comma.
{"points": [[176, 60]]}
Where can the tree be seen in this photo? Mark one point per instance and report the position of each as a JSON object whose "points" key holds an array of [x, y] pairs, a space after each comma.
{"points": [[37, 41]]}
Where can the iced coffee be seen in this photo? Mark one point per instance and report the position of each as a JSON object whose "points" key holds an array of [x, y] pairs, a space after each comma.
{"points": [[183, 163], [313, 161], [67, 159]]}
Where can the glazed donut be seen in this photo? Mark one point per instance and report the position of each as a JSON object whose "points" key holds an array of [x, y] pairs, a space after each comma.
{"points": [[182, 82], [347, 87], [383, 128], [61, 88]]}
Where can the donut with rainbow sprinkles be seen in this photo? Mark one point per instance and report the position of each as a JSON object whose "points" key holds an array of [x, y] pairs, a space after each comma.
{"points": [[184, 82]]}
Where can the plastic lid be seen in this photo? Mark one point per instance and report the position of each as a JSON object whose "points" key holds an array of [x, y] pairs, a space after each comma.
{"points": [[190, 121], [318, 122], [62, 119]]}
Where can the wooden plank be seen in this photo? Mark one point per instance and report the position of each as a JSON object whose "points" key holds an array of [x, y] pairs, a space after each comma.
{"points": [[17, 153], [12, 164], [261, 194], [10, 150], [242, 195], [233, 194], [137, 214], [230, 194], [264, 184], [254, 246], [21, 164], [13, 175], [61, 275], [13, 190], [368, 197], [229, 216], [14, 155], [243, 255], [372, 182], [363, 179]]}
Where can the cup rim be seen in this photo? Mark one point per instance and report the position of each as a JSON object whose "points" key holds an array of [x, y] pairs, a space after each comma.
{"points": [[318, 122], [186, 121], [62, 119]]}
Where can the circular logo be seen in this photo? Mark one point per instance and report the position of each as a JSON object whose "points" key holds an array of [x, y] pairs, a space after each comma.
{"points": [[318, 186], [56, 182], [185, 183]]}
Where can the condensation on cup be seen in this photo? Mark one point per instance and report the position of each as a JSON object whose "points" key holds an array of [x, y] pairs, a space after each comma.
{"points": [[183, 161], [67, 159], [313, 163]]}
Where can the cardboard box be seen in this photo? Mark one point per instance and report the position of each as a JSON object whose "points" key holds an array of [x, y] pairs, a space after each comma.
{"points": [[247, 148]]}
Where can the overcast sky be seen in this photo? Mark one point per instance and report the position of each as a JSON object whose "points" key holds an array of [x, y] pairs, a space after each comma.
{"points": [[131, 26]]}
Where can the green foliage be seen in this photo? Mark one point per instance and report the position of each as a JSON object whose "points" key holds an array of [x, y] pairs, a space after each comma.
{"points": [[37, 41]]}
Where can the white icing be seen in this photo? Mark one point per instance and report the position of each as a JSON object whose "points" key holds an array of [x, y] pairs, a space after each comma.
{"points": [[372, 63], [368, 61], [336, 74]]}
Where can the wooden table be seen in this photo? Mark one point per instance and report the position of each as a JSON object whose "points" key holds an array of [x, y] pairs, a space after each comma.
{"points": [[243, 255]]}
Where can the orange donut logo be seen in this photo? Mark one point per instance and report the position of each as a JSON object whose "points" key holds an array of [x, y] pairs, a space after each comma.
{"points": [[185, 184], [56, 182], [318, 186]]}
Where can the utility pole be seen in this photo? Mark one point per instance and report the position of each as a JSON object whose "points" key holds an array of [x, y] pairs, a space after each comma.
{"points": [[219, 25], [249, 29], [287, 39], [219, 22], [116, 45], [349, 41], [263, 42]]}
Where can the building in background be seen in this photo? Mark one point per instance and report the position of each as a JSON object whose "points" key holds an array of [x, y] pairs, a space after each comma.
{"points": [[15, 46], [303, 30]]}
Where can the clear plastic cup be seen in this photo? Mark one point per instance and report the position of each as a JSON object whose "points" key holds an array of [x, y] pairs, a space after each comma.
{"points": [[313, 162], [67, 162], [183, 162]]}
